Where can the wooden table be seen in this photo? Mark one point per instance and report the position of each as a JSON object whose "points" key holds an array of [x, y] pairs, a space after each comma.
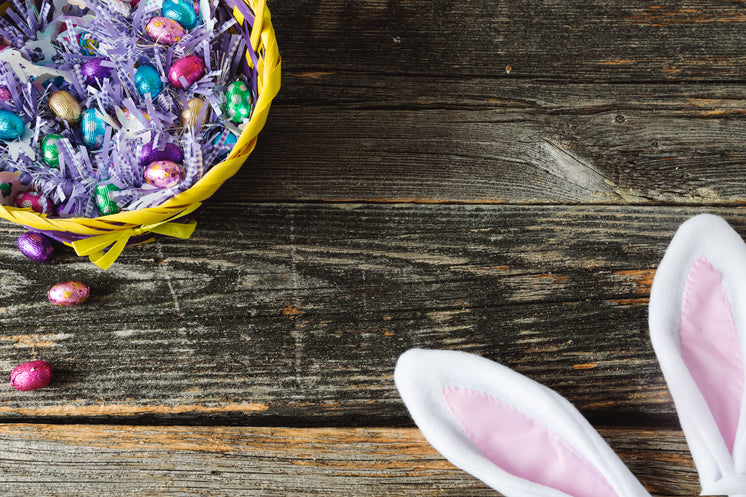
{"points": [[499, 177]]}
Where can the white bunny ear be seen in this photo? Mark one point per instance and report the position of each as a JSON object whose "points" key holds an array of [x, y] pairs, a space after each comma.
{"points": [[514, 434], [697, 322]]}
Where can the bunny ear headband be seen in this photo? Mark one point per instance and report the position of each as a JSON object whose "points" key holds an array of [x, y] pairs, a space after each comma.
{"points": [[525, 440]]}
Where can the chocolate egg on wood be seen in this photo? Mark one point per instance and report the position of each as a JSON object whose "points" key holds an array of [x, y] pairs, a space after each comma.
{"points": [[191, 112], [68, 293], [148, 80], [164, 30], [31, 375], [11, 126], [181, 11], [65, 106], [151, 153], [163, 174], [50, 154], [94, 71], [35, 201], [185, 71], [92, 128], [35, 246]]}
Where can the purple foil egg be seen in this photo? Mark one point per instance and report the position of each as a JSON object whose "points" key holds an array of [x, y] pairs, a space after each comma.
{"points": [[31, 375], [68, 293], [163, 174], [36, 202], [35, 246], [191, 68], [170, 152], [93, 70], [164, 30]]}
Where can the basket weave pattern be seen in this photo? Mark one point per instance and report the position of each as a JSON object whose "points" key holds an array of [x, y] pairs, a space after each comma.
{"points": [[103, 238]]}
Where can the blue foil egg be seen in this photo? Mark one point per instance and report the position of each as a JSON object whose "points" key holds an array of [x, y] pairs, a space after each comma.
{"points": [[88, 46], [180, 11], [148, 80], [228, 144], [11, 126], [92, 128]]}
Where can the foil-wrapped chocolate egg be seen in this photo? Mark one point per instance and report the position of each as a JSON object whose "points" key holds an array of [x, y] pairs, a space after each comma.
{"points": [[35, 201], [65, 106], [147, 80], [92, 128], [11, 126], [50, 154], [35, 246], [104, 202], [228, 143], [31, 375], [68, 293], [10, 185], [191, 112], [5, 95], [163, 174], [190, 68], [181, 11], [151, 153], [94, 71], [238, 101], [88, 45], [164, 30]]}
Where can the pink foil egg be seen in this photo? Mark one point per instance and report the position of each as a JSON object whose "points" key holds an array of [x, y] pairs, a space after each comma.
{"points": [[163, 174], [35, 246], [164, 30], [31, 375], [68, 293], [35, 201], [5, 94], [191, 68]]}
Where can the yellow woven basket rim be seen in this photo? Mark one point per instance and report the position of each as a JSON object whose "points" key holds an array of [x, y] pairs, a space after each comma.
{"points": [[264, 43]]}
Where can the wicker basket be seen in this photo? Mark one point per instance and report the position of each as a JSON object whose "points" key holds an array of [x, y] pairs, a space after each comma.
{"points": [[103, 238]]}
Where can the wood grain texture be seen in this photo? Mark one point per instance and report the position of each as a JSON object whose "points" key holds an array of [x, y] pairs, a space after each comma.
{"points": [[296, 313], [186, 460], [595, 41], [360, 137]]}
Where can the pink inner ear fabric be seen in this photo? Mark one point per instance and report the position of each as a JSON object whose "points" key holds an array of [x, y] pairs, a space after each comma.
{"points": [[710, 346], [522, 445]]}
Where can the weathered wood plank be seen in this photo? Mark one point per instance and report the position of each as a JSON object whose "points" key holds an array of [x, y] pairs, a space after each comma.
{"points": [[296, 313], [187, 460], [594, 41], [439, 139]]}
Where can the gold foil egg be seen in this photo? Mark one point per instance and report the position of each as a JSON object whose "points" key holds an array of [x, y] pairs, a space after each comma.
{"points": [[65, 106], [190, 114]]}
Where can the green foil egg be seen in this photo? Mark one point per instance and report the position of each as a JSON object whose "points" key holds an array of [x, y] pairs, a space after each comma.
{"points": [[238, 101], [148, 80], [104, 201], [180, 11], [49, 152], [11, 126]]}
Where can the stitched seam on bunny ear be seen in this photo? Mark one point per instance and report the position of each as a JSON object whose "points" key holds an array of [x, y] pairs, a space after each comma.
{"points": [[686, 303], [534, 421]]}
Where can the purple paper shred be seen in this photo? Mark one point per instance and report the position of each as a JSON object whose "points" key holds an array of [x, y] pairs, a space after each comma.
{"points": [[124, 45]]}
